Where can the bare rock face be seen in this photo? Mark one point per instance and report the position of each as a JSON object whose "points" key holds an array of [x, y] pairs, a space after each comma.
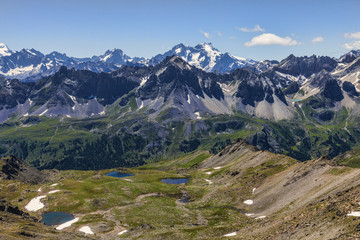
{"points": [[9, 208], [305, 65], [333, 91], [14, 168]]}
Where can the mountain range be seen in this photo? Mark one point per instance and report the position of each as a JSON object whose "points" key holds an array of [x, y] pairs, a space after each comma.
{"points": [[188, 92], [305, 107], [31, 65]]}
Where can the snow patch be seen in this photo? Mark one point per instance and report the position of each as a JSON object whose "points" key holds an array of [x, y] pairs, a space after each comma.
{"points": [[67, 224], [31, 52], [249, 202], [86, 230], [217, 168], [197, 115], [260, 217], [160, 71], [122, 232], [188, 99], [230, 234], [209, 181], [29, 70], [53, 185], [195, 60], [43, 112], [106, 57], [144, 80], [253, 191], [239, 58], [35, 204], [208, 173], [4, 50], [249, 214], [72, 98], [178, 50], [354, 214], [54, 191]]}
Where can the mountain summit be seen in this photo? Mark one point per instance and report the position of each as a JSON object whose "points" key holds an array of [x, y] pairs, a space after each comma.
{"points": [[4, 50], [31, 65], [205, 57]]}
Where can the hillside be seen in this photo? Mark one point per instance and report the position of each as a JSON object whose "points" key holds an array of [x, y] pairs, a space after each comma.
{"points": [[241, 192]]}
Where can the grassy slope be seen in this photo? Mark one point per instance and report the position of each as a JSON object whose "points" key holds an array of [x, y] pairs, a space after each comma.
{"points": [[302, 138], [150, 209]]}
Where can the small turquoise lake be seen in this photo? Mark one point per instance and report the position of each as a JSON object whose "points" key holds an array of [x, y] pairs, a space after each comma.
{"points": [[119, 174], [56, 218], [175, 180]]}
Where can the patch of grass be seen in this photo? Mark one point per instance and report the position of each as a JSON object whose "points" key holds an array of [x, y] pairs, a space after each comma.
{"points": [[132, 104], [197, 160], [338, 170], [156, 212]]}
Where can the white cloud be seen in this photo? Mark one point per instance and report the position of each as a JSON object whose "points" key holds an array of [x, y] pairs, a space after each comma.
{"points": [[317, 40], [206, 34], [352, 45], [355, 35], [232, 37], [270, 39], [256, 28]]}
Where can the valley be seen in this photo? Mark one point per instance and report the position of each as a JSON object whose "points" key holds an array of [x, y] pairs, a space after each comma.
{"points": [[179, 120], [240, 192]]}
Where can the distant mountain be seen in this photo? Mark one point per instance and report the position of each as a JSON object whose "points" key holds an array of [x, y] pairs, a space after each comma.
{"points": [[303, 106], [4, 50], [305, 66], [206, 57], [171, 90], [350, 56], [31, 65]]}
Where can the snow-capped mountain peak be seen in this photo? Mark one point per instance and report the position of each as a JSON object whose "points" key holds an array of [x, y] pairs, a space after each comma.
{"points": [[4, 50], [21, 64], [206, 57], [208, 47], [350, 56], [115, 56]]}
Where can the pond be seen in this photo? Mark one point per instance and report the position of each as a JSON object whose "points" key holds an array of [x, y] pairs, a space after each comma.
{"points": [[56, 218], [119, 174], [175, 180]]}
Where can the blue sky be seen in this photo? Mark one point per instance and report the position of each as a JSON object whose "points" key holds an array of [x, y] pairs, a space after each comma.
{"points": [[257, 29]]}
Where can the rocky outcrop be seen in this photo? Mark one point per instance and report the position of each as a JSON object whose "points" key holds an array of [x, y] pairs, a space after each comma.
{"points": [[15, 169], [350, 89], [9, 208], [332, 91], [305, 66]]}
